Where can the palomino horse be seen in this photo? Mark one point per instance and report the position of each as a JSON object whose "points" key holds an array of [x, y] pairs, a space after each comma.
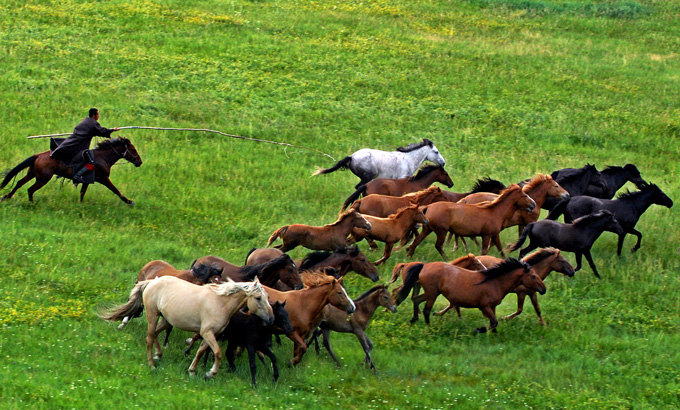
{"points": [[339, 321], [485, 219], [204, 309], [466, 288], [577, 237], [304, 307], [42, 168], [273, 273], [482, 185], [543, 261], [369, 164], [391, 229], [386, 205], [627, 209], [320, 238], [397, 187]]}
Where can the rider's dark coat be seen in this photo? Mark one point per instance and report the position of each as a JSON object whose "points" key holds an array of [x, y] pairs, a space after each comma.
{"points": [[71, 149]]}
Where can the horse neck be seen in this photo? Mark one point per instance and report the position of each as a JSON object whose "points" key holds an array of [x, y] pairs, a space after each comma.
{"points": [[365, 308], [234, 302], [417, 157], [638, 203], [269, 275], [315, 299], [593, 231], [504, 284], [108, 155], [538, 193], [343, 263], [506, 206], [615, 180], [544, 267]]}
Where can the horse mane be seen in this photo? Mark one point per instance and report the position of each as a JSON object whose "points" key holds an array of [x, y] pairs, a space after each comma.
{"points": [[630, 195], [612, 169], [487, 184], [343, 216], [315, 279], [415, 145], [535, 181], [577, 173], [539, 256], [252, 271], [227, 288], [503, 268], [424, 171], [203, 272], [501, 197], [419, 194], [368, 292], [111, 143], [314, 258], [462, 258], [401, 211], [589, 219]]}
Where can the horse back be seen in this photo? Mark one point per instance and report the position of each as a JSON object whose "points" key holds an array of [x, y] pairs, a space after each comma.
{"points": [[155, 269], [229, 270]]}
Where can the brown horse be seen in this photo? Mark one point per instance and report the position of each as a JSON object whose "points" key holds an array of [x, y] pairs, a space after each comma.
{"points": [[425, 177], [482, 185], [304, 307], [466, 288], [386, 205], [391, 229], [198, 274], [42, 168], [543, 261], [485, 219], [280, 273], [320, 238], [257, 256]]}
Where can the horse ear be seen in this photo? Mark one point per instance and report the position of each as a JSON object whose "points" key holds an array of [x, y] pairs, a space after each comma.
{"points": [[283, 304], [257, 280], [221, 270], [193, 263]]}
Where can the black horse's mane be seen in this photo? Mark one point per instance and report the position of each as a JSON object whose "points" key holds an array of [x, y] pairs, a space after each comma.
{"points": [[487, 184], [634, 194], [204, 272], [425, 171], [588, 219], [314, 258], [503, 268], [368, 292], [251, 271], [539, 256], [415, 146], [111, 143], [577, 173]]}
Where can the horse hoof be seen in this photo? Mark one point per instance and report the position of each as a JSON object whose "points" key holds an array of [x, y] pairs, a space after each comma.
{"points": [[122, 325], [208, 376], [131, 203]]}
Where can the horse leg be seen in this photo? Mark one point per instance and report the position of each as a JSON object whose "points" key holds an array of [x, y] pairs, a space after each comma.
{"points": [[107, 183], [299, 348], [426, 231], [163, 325], [251, 360], [18, 185], [190, 343], [427, 309], [275, 368], [486, 244], [39, 183], [528, 249], [201, 349], [455, 241], [578, 261], [619, 246], [520, 306], [639, 239], [386, 254], [209, 338], [589, 258], [229, 354], [439, 244], [497, 242], [315, 337], [446, 309], [417, 301], [371, 244], [152, 319], [327, 345], [490, 313], [534, 301], [366, 345]]}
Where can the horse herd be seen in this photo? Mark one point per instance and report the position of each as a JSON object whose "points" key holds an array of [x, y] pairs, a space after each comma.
{"points": [[271, 294]]}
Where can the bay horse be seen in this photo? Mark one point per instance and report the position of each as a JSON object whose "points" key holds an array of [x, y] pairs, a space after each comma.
{"points": [[627, 209], [481, 185], [280, 273], [543, 261], [344, 260], [42, 168], [485, 219], [320, 238], [369, 164], [576, 181], [425, 177], [386, 205], [304, 307], [334, 319], [467, 288], [257, 256], [205, 309], [390, 230], [614, 178], [577, 237]]}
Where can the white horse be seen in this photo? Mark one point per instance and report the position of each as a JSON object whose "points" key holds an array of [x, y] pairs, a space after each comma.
{"points": [[204, 309], [369, 164]]}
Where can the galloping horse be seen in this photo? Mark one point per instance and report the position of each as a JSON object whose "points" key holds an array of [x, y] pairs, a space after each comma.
{"points": [[344, 260], [273, 273], [386, 205], [320, 238], [42, 168], [466, 288], [198, 274], [614, 178], [369, 164], [204, 309], [485, 219], [397, 187], [482, 185], [576, 181]]}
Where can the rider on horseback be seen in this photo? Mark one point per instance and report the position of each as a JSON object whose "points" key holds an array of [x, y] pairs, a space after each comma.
{"points": [[75, 151]]}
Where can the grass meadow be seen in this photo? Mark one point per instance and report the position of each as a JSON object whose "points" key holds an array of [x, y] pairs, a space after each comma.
{"points": [[504, 88]]}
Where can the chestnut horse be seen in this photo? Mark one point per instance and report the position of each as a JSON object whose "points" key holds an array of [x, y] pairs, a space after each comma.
{"points": [[280, 273], [391, 229], [543, 261], [42, 168], [320, 238], [425, 177], [485, 219], [304, 307], [466, 288], [386, 205], [482, 185]]}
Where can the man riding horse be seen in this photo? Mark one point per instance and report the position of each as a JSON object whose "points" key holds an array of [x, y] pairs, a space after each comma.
{"points": [[75, 150]]}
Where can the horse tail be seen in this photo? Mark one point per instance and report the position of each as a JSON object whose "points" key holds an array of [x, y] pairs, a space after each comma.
{"points": [[527, 230], [558, 209], [14, 171], [343, 163], [412, 275], [248, 255], [133, 308], [278, 233], [361, 190], [395, 272]]}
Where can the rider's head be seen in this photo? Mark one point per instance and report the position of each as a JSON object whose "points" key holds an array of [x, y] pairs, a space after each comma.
{"points": [[94, 113]]}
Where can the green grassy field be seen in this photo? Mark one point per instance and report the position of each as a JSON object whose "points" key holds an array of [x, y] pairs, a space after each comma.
{"points": [[504, 88]]}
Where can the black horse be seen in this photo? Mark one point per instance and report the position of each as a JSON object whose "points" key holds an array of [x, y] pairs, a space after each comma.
{"points": [[577, 237], [614, 176], [576, 181], [627, 208]]}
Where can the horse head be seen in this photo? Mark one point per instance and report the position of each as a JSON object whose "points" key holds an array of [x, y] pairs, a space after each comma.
{"points": [[289, 273], [524, 201], [358, 220], [360, 263], [385, 299], [443, 177], [610, 222], [338, 297], [560, 264], [257, 301], [633, 175], [434, 155], [659, 197], [532, 281], [281, 318], [554, 189]]}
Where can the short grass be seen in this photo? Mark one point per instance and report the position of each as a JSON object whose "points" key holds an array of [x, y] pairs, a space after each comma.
{"points": [[504, 88]]}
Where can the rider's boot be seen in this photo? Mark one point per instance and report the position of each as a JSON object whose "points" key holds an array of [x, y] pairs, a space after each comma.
{"points": [[85, 174]]}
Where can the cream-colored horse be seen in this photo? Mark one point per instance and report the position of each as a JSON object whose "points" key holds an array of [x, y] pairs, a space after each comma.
{"points": [[204, 309]]}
